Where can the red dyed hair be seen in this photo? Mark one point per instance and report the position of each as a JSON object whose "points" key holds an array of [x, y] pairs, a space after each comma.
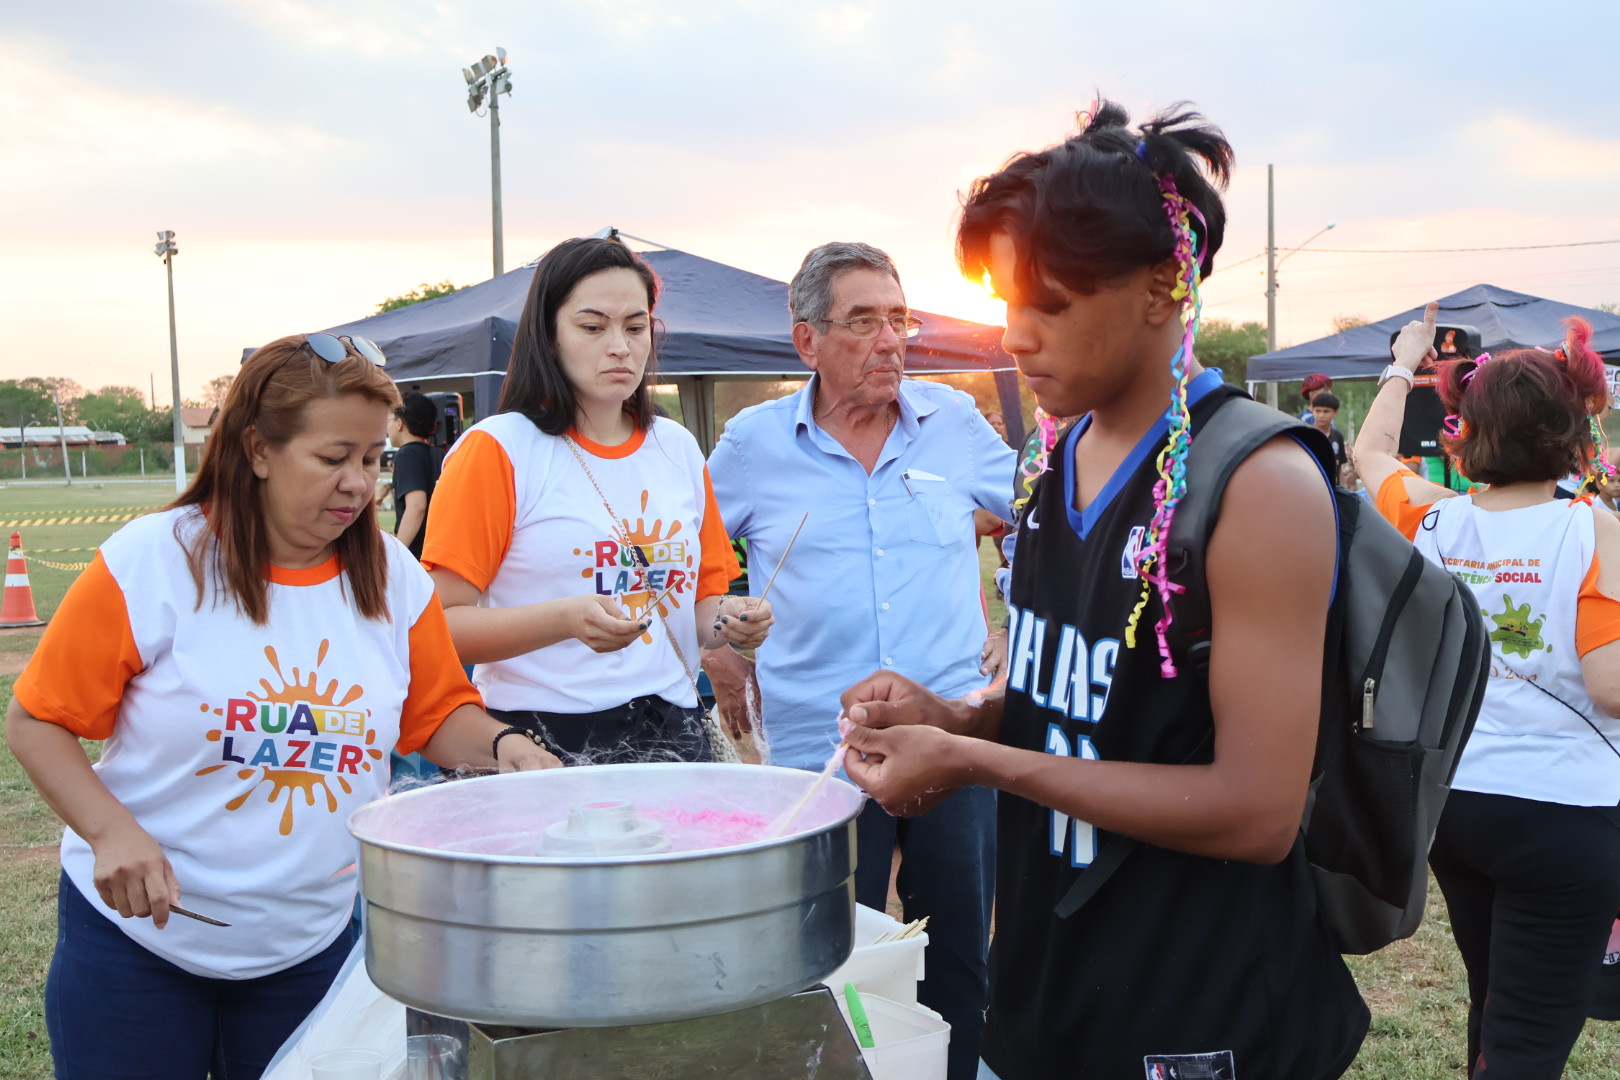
{"points": [[1525, 412], [270, 394]]}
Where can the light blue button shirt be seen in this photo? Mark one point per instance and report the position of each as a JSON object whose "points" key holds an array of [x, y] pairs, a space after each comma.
{"points": [[886, 571]]}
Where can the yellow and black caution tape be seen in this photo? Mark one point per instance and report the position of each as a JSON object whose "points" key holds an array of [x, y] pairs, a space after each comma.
{"points": [[55, 551], [78, 519], [34, 560]]}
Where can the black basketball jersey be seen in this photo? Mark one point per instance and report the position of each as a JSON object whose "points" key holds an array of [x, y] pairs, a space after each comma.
{"points": [[1179, 966]]}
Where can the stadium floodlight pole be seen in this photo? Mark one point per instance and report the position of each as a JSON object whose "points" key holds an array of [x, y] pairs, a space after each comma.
{"points": [[166, 250], [491, 76]]}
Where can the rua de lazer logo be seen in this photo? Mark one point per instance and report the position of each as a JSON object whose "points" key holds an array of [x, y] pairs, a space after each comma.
{"points": [[294, 738]]}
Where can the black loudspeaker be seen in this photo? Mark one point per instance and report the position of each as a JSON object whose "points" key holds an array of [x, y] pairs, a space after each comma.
{"points": [[448, 428]]}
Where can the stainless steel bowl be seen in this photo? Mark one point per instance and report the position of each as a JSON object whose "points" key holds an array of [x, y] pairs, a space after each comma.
{"points": [[462, 919]]}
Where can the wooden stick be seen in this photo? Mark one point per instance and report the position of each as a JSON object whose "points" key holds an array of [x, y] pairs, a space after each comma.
{"points": [[783, 559], [652, 608], [781, 825]]}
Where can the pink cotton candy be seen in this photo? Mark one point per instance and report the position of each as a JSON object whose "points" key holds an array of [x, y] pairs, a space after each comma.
{"points": [[698, 830]]}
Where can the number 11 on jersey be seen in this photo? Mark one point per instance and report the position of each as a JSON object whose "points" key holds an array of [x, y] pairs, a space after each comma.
{"points": [[1081, 835]]}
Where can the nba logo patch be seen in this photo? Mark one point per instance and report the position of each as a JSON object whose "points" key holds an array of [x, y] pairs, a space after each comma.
{"points": [[1132, 552], [1219, 1065]]}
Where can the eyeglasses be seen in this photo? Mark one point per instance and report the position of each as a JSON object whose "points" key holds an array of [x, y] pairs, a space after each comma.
{"points": [[905, 326], [331, 348]]}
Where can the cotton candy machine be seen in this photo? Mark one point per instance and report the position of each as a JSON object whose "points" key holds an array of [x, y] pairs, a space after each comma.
{"points": [[650, 899]]}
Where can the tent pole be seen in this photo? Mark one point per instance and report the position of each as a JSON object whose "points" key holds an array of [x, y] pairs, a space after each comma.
{"points": [[706, 417], [486, 395], [697, 407], [1012, 406]]}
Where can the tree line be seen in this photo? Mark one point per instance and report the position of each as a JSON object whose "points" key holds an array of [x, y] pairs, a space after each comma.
{"points": [[32, 401]]}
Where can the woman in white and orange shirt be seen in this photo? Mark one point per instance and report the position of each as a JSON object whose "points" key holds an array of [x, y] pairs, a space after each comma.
{"points": [[249, 655], [1528, 849], [574, 537]]}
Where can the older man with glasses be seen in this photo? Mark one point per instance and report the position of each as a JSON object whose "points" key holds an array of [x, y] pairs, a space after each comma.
{"points": [[885, 575]]}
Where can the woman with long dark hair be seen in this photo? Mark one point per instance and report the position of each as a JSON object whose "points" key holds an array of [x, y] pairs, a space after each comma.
{"points": [[574, 536], [249, 654], [1528, 848]]}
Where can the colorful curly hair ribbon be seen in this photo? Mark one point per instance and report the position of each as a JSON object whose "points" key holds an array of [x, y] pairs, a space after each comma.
{"points": [[1599, 467], [1152, 561]]}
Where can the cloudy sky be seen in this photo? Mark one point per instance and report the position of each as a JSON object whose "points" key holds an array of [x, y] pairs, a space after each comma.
{"points": [[314, 158]]}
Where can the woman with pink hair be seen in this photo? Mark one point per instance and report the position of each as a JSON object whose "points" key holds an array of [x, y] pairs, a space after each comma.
{"points": [[1528, 849]]}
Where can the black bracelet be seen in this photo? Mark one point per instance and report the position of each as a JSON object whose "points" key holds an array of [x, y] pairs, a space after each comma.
{"points": [[495, 744]]}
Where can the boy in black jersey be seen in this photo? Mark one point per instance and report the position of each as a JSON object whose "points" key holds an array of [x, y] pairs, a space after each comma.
{"points": [[1195, 951]]}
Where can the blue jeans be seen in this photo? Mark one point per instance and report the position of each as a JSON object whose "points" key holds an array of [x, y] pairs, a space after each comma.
{"points": [[948, 873], [116, 1011]]}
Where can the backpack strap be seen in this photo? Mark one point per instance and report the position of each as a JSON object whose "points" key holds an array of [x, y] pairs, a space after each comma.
{"points": [[1238, 427], [1109, 855]]}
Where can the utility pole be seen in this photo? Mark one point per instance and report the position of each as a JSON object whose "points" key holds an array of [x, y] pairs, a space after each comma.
{"points": [[166, 250], [61, 435], [491, 76], [1271, 274]]}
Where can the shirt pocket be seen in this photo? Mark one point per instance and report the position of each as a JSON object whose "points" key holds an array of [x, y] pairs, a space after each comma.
{"points": [[929, 518]]}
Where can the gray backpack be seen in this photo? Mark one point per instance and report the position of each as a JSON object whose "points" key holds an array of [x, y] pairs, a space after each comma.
{"points": [[1403, 676]]}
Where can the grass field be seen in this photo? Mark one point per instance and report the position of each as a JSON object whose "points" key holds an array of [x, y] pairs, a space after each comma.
{"points": [[1415, 988]]}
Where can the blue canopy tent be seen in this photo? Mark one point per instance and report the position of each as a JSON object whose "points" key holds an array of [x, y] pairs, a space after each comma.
{"points": [[719, 322], [1505, 320]]}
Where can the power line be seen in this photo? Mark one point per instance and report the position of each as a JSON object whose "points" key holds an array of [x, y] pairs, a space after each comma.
{"points": [[1440, 251], [1233, 300], [1240, 262], [1425, 251]]}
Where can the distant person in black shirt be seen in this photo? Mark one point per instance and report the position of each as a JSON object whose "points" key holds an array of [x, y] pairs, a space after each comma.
{"points": [[1324, 410], [416, 468]]}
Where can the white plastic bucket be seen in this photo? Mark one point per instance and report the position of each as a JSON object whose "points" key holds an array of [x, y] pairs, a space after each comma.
{"points": [[911, 1040], [891, 970]]}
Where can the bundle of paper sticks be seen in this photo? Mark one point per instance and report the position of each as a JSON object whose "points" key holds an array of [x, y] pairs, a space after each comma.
{"points": [[911, 929]]}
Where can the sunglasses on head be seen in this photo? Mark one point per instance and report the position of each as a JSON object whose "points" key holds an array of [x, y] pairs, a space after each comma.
{"points": [[331, 348]]}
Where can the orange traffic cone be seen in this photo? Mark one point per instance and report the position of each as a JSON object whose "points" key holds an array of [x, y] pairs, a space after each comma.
{"points": [[17, 602]]}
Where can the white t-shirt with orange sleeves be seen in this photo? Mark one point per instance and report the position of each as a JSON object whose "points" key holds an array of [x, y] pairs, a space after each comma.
{"points": [[516, 516], [242, 749], [1534, 572]]}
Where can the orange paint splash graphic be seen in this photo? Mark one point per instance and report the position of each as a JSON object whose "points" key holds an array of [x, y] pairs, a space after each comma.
{"points": [[289, 784], [641, 537]]}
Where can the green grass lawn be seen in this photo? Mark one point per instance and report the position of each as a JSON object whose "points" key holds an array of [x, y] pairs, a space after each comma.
{"points": [[1415, 988], [85, 498], [28, 873]]}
